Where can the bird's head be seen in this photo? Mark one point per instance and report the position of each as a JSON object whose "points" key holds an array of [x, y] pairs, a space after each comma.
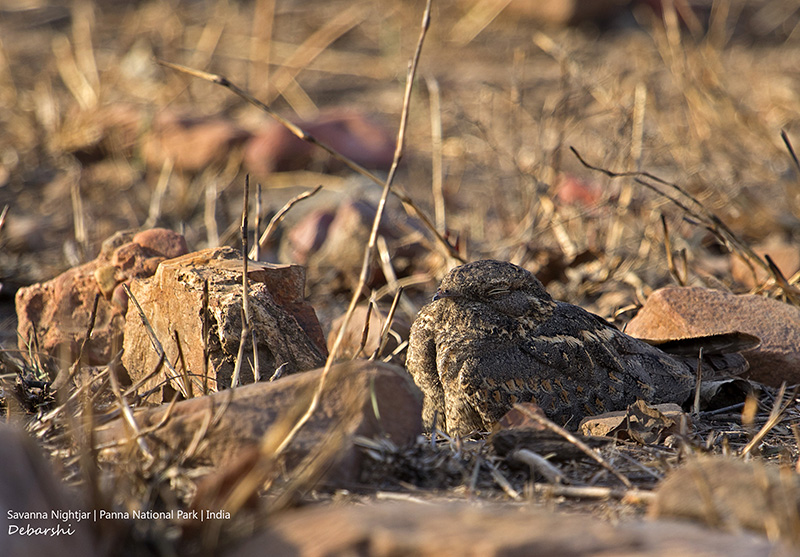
{"points": [[503, 286]]}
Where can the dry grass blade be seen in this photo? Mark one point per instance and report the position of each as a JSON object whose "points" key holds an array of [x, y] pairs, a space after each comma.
{"points": [[373, 234], [537, 462], [698, 383], [3, 215], [365, 330], [273, 223], [790, 148], [775, 416], [591, 453], [127, 414], [64, 377], [237, 368], [670, 259], [443, 244], [712, 222], [595, 492], [388, 325]]}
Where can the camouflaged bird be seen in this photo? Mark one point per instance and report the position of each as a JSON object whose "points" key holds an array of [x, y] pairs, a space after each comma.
{"points": [[493, 336]]}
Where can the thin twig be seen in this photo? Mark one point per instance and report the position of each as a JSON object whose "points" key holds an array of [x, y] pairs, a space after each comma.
{"points": [[154, 340], [373, 235], [206, 335], [594, 492], [262, 241], [186, 380], [237, 368], [256, 251], [537, 462], [387, 325], [776, 414], [575, 441], [698, 382], [790, 148], [64, 378], [443, 244], [712, 222], [365, 330]]}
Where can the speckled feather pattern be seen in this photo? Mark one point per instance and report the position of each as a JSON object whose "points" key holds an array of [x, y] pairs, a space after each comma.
{"points": [[493, 337]]}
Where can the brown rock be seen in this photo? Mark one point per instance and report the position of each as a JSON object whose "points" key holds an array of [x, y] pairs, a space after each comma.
{"points": [[351, 342], [385, 529], [785, 256], [348, 131], [337, 248], [565, 12], [672, 313], [251, 411], [730, 493], [285, 325], [59, 310], [166, 242], [192, 143], [28, 485]]}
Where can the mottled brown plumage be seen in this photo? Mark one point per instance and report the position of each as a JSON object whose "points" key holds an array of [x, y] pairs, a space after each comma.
{"points": [[493, 336]]}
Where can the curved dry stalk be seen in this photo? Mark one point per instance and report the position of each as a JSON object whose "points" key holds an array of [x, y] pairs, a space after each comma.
{"points": [[408, 203], [157, 346], [262, 240], [594, 455], [710, 221], [387, 186]]}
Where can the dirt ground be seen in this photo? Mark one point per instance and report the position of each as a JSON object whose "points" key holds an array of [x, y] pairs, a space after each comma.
{"points": [[701, 103]]}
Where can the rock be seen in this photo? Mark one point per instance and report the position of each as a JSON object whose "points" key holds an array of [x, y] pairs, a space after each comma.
{"points": [[664, 419], [427, 529], [60, 309], [785, 256], [348, 131], [565, 12], [732, 494], [285, 326], [351, 342], [673, 313], [192, 143], [337, 247], [28, 485], [251, 411]]}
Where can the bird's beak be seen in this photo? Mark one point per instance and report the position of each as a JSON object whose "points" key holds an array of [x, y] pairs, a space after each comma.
{"points": [[442, 294]]}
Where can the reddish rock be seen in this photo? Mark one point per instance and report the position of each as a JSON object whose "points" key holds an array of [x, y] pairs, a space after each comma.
{"points": [[192, 143], [28, 485], [337, 244], [244, 415], [571, 190], [565, 12], [349, 132], [60, 309], [351, 342], [436, 529], [285, 325], [674, 313], [166, 242]]}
